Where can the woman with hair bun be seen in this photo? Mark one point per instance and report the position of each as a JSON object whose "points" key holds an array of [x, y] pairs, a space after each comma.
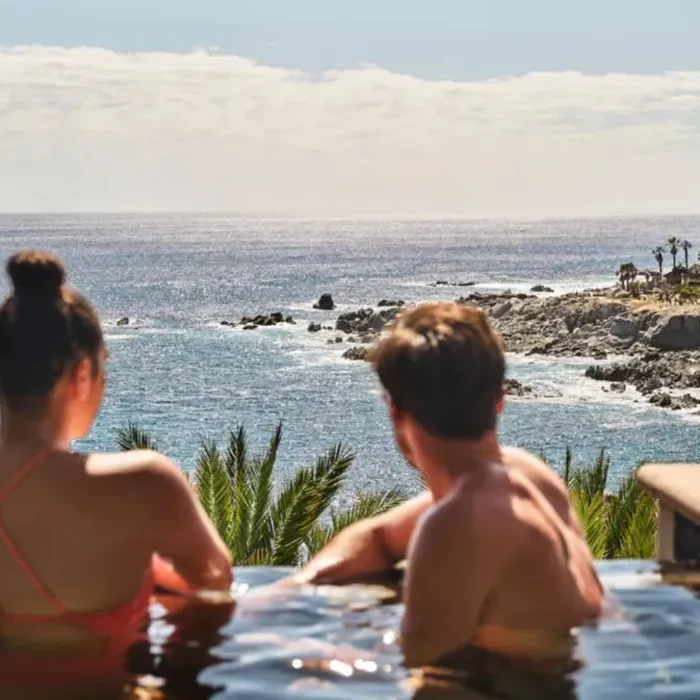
{"points": [[81, 536]]}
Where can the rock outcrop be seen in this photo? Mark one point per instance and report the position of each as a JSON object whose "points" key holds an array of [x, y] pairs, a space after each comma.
{"points": [[357, 353], [365, 321], [655, 375], [678, 332], [661, 344], [513, 387], [325, 303], [445, 283], [250, 323]]}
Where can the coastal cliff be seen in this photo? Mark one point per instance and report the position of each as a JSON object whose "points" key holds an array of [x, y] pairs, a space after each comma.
{"points": [[656, 347]]}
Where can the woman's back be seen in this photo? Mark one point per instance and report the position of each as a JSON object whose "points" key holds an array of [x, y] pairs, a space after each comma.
{"points": [[78, 534], [69, 544]]}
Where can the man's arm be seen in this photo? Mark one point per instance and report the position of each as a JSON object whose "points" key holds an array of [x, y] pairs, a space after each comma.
{"points": [[375, 544], [453, 565]]}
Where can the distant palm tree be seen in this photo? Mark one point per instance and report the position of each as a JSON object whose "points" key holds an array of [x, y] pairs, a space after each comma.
{"points": [[627, 273], [686, 246], [258, 526], [658, 254], [673, 245], [622, 275]]}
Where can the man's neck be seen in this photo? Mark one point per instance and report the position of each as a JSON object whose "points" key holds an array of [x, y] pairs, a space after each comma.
{"points": [[450, 461]]}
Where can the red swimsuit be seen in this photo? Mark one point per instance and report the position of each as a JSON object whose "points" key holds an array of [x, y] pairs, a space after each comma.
{"points": [[117, 627]]}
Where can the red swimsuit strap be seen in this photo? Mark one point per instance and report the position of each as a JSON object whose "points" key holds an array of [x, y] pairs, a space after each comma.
{"points": [[12, 548], [119, 621], [12, 484]]}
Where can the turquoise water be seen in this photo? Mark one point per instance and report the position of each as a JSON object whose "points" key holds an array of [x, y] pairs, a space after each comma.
{"points": [[340, 643], [181, 375]]}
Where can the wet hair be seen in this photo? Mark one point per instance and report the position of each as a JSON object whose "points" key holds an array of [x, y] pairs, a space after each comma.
{"points": [[443, 365], [46, 328]]}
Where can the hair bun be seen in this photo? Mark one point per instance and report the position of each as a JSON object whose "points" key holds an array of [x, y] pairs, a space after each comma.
{"points": [[36, 273]]}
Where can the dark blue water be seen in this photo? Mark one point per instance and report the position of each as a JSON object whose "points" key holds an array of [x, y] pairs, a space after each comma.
{"points": [[181, 375]]}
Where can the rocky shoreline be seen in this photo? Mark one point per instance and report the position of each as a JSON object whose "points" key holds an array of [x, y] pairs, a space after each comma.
{"points": [[657, 349], [638, 343]]}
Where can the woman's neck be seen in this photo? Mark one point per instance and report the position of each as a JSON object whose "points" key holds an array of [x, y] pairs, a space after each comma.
{"points": [[39, 432]]}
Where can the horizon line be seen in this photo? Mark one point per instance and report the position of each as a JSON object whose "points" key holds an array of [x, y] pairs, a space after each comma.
{"points": [[311, 216]]}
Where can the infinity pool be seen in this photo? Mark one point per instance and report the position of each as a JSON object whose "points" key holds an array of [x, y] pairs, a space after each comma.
{"points": [[340, 643]]}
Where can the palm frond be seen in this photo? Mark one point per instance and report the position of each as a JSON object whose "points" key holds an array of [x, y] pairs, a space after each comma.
{"points": [[591, 480], [213, 487], [367, 504], [258, 557], [568, 466], [622, 506], [318, 537], [640, 537], [330, 473], [592, 516], [236, 452], [259, 523], [261, 527], [327, 477], [131, 437], [304, 499], [293, 529]]}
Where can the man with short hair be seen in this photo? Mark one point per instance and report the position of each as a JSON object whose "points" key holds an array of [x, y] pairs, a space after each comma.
{"points": [[496, 557]]}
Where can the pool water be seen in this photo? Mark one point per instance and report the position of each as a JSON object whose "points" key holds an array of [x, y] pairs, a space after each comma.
{"points": [[333, 642]]}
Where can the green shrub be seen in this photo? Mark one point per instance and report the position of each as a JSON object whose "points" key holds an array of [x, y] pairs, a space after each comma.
{"points": [[262, 524], [619, 524]]}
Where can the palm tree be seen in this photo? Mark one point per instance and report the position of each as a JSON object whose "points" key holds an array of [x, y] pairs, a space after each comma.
{"points": [[686, 246], [633, 271], [673, 245], [658, 254], [259, 526], [623, 275], [627, 273], [617, 525]]}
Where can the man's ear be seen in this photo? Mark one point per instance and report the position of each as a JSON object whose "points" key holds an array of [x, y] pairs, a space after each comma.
{"points": [[395, 413]]}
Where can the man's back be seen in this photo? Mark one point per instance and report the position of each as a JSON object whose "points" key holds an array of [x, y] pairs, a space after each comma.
{"points": [[496, 556], [545, 479], [520, 573]]}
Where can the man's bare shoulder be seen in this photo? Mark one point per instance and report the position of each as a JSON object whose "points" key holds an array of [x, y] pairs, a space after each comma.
{"points": [[541, 475], [484, 507], [533, 467]]}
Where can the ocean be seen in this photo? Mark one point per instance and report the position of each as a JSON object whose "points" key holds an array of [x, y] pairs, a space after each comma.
{"points": [[180, 375]]}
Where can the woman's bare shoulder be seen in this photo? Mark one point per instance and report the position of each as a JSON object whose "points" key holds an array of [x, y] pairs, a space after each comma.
{"points": [[137, 464]]}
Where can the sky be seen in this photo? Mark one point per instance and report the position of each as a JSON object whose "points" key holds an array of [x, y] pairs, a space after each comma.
{"points": [[440, 108]]}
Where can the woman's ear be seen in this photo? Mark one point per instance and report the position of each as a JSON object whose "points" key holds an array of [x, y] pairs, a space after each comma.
{"points": [[81, 380], [500, 405]]}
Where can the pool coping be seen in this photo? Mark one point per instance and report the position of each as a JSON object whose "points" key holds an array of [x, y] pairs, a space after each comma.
{"points": [[677, 489]]}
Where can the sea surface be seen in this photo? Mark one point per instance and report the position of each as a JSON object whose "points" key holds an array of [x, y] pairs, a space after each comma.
{"points": [[181, 375]]}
